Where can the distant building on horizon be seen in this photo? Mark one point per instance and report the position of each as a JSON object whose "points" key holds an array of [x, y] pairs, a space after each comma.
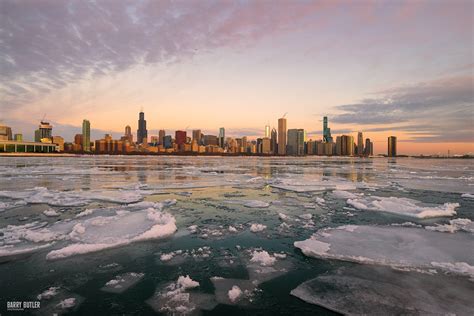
{"points": [[345, 145], [180, 137], [267, 131], [360, 144], [128, 134], [221, 137], [327, 138], [142, 133], [44, 130], [392, 146], [5, 132], [59, 141], [86, 136], [295, 144], [282, 136], [369, 147], [167, 141], [197, 136], [273, 141]]}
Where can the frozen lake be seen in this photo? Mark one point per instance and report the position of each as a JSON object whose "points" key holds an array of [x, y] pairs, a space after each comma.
{"points": [[214, 235]]}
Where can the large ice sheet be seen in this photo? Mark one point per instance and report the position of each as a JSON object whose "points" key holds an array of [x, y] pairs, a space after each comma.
{"points": [[104, 232], [403, 206], [42, 195], [108, 228], [406, 247], [373, 290]]}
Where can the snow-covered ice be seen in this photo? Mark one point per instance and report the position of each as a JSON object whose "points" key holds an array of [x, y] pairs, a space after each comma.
{"points": [[176, 298], [390, 245], [403, 206], [257, 227], [49, 293], [234, 293], [457, 224], [114, 228], [122, 282], [372, 290], [263, 258]]}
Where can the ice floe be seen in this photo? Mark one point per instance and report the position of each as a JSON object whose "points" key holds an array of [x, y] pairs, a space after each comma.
{"points": [[122, 282], [375, 290], [42, 195], [390, 245], [51, 213], [116, 231], [257, 227], [179, 256], [457, 224], [176, 299], [263, 258], [49, 293], [403, 206], [114, 228], [344, 194], [67, 303], [256, 204], [234, 293], [314, 185]]}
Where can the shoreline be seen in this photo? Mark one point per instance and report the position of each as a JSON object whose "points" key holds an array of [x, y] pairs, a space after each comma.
{"points": [[80, 155]]}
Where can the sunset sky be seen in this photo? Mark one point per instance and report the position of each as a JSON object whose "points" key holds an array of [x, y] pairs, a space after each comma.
{"points": [[401, 68]]}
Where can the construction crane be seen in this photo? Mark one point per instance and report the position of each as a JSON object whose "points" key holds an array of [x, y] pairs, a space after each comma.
{"points": [[43, 118], [284, 115]]}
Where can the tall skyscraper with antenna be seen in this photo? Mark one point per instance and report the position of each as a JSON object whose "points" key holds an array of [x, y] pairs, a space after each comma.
{"points": [[142, 133]]}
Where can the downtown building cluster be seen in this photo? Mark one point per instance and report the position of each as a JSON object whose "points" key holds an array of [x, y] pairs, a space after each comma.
{"points": [[275, 141]]}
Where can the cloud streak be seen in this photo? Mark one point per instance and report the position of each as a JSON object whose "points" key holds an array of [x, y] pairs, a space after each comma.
{"points": [[46, 45], [441, 109]]}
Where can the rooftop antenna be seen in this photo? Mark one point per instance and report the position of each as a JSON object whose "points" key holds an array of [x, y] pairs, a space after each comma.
{"points": [[284, 114], [141, 108]]}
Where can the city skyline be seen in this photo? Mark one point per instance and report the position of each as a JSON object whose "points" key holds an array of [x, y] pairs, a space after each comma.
{"points": [[371, 67], [325, 135]]}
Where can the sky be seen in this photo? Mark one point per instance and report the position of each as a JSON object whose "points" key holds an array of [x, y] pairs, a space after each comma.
{"points": [[403, 68]]}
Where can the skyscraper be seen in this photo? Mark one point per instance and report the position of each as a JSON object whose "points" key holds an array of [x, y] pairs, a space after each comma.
{"points": [[282, 136], [167, 141], [392, 146], [273, 142], [327, 138], [267, 131], [345, 145], [128, 133], [197, 136], [295, 145], [142, 133], [161, 137], [180, 137], [86, 135], [45, 130], [360, 144], [369, 147], [221, 137]]}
